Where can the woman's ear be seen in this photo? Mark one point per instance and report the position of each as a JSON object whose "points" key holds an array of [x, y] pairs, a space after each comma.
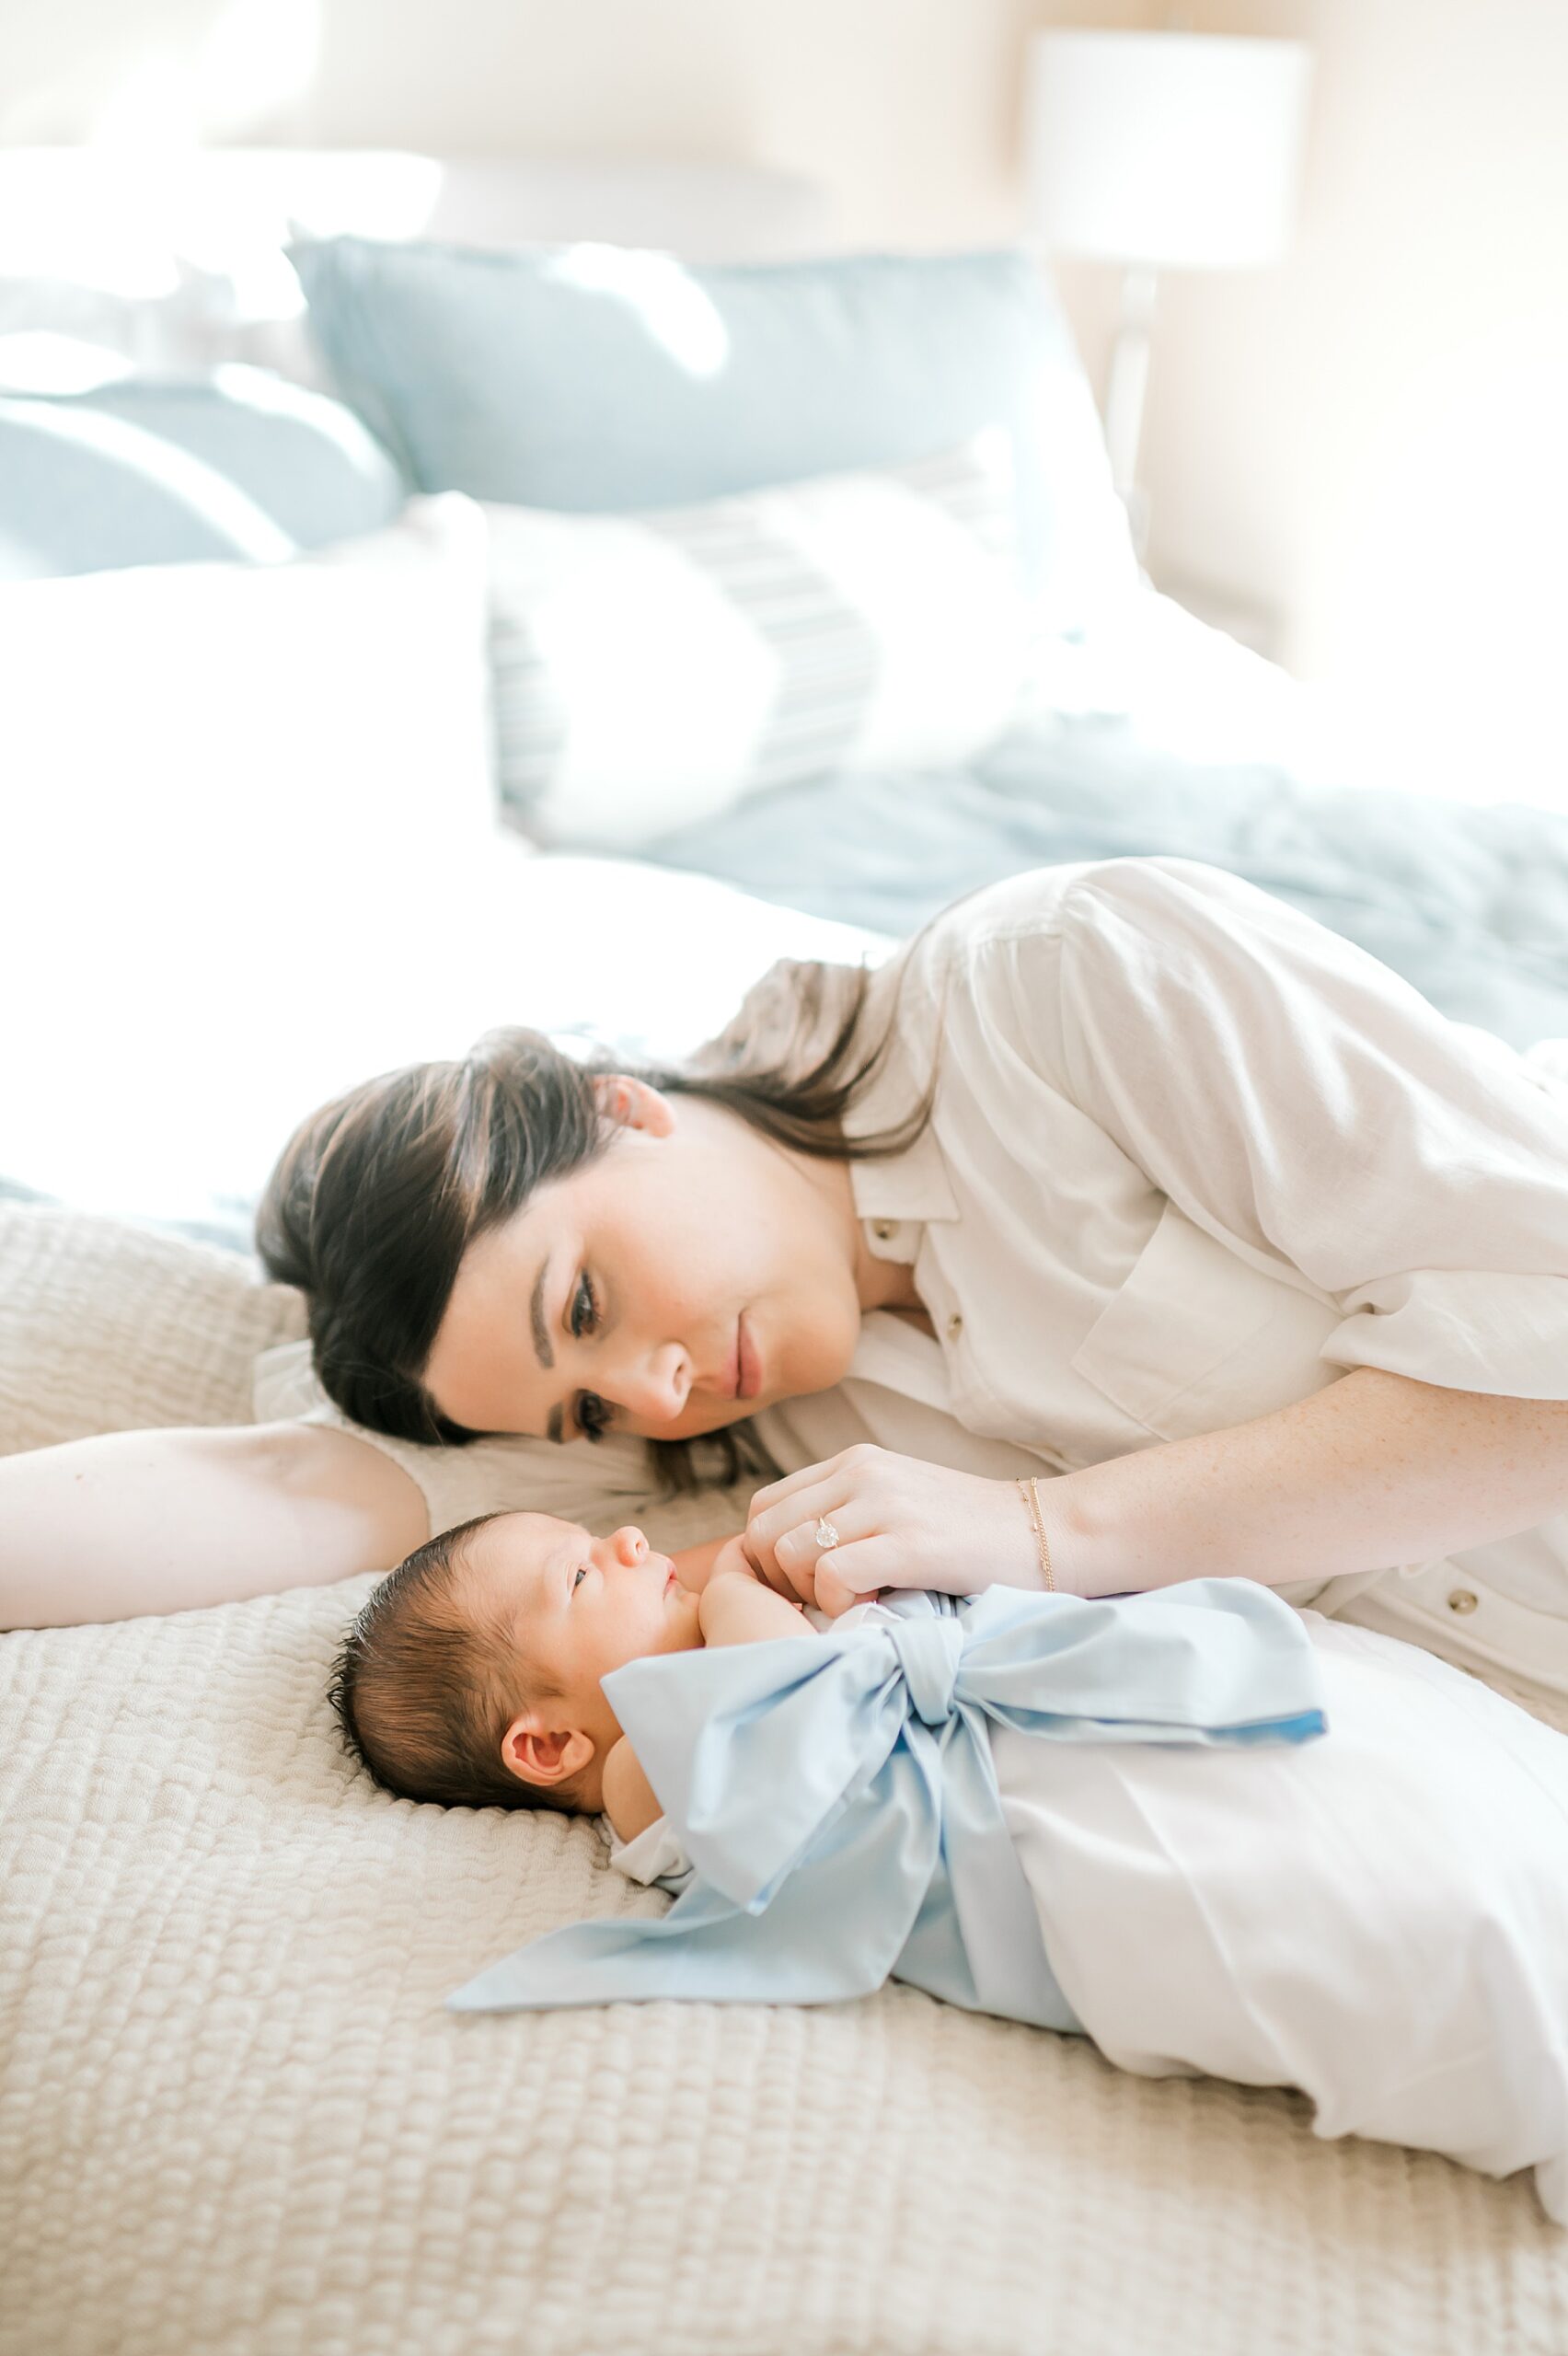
{"points": [[537, 1752], [632, 1105]]}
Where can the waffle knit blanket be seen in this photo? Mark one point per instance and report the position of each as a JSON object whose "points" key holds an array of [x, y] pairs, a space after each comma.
{"points": [[236, 2119]]}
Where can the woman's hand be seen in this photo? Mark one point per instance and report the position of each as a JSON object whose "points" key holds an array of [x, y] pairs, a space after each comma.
{"points": [[899, 1523]]}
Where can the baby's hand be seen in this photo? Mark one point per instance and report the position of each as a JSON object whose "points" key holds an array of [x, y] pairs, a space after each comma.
{"points": [[731, 1561], [738, 1607], [696, 1565]]}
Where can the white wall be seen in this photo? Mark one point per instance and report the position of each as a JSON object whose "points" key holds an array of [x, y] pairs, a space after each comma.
{"points": [[1371, 439], [904, 107]]}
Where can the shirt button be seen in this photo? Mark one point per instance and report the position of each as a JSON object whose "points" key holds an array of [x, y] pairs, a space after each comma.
{"points": [[954, 1326], [1463, 1600]]}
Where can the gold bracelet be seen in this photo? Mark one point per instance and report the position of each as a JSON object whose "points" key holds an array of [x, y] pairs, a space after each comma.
{"points": [[1029, 1491]]}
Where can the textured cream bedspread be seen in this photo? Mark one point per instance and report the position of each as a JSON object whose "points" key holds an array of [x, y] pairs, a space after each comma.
{"points": [[236, 2121]]}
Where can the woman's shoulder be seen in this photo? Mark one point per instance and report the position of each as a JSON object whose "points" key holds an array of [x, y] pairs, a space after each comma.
{"points": [[789, 1016], [1107, 916], [1044, 901], [984, 968], [964, 950]]}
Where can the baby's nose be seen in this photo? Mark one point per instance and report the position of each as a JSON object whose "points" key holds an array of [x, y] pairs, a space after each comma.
{"points": [[630, 1546]]}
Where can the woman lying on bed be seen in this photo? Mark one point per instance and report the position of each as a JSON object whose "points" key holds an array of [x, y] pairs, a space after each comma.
{"points": [[1214, 1834], [1124, 1176]]}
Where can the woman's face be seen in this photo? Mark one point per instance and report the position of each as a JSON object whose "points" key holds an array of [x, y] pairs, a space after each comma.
{"points": [[692, 1274]]}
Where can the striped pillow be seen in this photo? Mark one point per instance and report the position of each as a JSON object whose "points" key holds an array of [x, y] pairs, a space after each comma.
{"points": [[652, 669]]}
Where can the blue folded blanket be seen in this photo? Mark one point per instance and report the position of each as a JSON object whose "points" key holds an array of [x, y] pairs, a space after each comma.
{"points": [[1469, 904]]}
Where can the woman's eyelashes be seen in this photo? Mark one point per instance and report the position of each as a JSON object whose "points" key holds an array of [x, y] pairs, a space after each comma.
{"points": [[592, 1415], [590, 1412]]}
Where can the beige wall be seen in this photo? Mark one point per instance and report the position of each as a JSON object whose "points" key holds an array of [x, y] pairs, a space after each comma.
{"points": [[1367, 442], [1371, 438], [904, 108]]}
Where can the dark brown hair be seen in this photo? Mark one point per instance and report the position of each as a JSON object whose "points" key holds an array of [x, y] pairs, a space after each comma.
{"points": [[427, 1682], [375, 1198]]}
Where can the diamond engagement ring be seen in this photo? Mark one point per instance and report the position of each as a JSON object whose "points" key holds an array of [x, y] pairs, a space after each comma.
{"points": [[825, 1534]]}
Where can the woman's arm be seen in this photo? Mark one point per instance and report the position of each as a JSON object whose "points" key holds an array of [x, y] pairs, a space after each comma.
{"points": [[152, 1521], [1301, 1105], [1375, 1469]]}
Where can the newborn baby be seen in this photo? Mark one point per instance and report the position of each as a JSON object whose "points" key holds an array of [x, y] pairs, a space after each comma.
{"points": [[1378, 1917], [472, 1676]]}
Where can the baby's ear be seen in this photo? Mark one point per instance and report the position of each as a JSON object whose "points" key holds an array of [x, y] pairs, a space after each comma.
{"points": [[537, 1752]]}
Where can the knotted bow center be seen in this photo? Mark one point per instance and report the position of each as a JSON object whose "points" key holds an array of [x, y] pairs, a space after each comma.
{"points": [[928, 1654]]}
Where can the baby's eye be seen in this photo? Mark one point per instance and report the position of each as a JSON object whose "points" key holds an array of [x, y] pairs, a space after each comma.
{"points": [[578, 1576]]}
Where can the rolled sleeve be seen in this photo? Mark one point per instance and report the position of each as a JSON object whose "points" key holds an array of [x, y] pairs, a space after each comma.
{"points": [[1303, 1104]]}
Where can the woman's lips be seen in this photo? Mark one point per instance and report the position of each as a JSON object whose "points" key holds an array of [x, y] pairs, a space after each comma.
{"points": [[748, 1363]]}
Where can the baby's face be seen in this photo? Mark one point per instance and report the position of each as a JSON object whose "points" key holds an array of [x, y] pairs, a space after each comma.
{"points": [[580, 1606]]}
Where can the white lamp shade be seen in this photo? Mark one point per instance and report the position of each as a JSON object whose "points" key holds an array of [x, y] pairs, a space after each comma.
{"points": [[1180, 151]]}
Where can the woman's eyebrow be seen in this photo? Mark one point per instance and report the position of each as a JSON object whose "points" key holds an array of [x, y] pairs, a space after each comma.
{"points": [[542, 1349]]}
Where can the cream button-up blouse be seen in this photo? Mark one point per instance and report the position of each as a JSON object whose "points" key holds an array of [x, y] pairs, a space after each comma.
{"points": [[1191, 1158]]}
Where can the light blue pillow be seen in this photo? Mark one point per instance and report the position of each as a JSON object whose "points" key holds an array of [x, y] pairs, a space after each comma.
{"points": [[242, 465], [604, 379]]}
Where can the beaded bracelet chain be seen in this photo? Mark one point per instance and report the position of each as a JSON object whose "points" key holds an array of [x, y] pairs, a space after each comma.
{"points": [[1029, 1491]]}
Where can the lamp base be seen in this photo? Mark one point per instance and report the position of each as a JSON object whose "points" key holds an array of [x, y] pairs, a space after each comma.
{"points": [[1260, 628], [1125, 389]]}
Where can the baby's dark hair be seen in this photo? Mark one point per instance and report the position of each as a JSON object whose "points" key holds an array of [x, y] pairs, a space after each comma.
{"points": [[426, 1681]]}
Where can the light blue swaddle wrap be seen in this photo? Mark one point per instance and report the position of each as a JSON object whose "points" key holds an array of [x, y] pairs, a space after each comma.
{"points": [[836, 1796]]}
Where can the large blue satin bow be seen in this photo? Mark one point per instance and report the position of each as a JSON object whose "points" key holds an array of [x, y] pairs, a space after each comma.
{"points": [[836, 1797]]}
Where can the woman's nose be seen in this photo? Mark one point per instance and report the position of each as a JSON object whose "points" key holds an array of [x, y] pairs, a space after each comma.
{"points": [[655, 1386]]}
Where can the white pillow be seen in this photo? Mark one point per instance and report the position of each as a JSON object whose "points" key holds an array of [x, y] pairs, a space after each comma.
{"points": [[250, 851], [240, 810], [652, 669]]}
